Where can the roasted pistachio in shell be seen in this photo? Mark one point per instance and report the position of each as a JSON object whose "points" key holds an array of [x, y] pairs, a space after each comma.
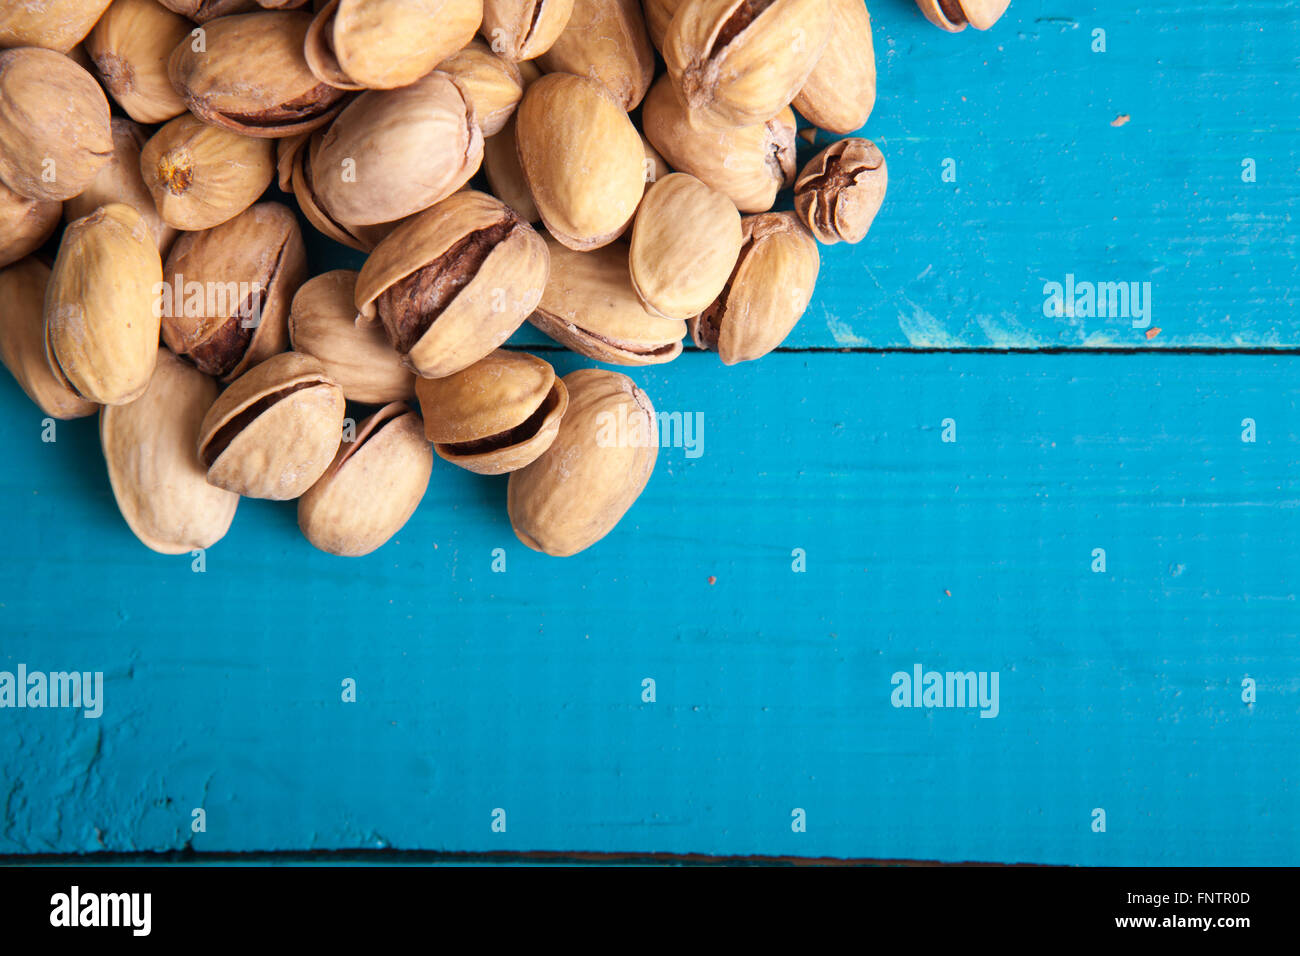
{"points": [[953, 15], [54, 125], [606, 40], [323, 323], [275, 430], [768, 291], [491, 83], [120, 181], [385, 44], [372, 487], [159, 484], [497, 415], [840, 191], [841, 90], [294, 164], [506, 176], [54, 24], [130, 46], [524, 29], [658, 14], [22, 341], [591, 306], [101, 323], [227, 290], [201, 11], [597, 466], [452, 284], [24, 224]]}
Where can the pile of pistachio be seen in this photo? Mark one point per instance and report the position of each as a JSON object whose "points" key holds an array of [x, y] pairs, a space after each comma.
{"points": [[625, 157]]}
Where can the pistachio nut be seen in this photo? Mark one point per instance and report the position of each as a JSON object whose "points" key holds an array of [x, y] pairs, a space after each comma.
{"points": [[159, 484], [524, 29], [841, 90], [120, 181], [491, 83], [506, 176], [767, 294], [201, 175], [22, 341], [226, 290], [747, 164], [496, 416], [606, 41], [275, 430], [101, 328], [392, 153], [54, 129], [953, 15], [658, 14], [582, 159], [372, 487], [201, 11], [294, 165], [385, 44], [591, 306], [53, 24], [740, 62], [840, 191], [25, 224], [597, 466], [323, 324], [453, 283], [130, 46]]}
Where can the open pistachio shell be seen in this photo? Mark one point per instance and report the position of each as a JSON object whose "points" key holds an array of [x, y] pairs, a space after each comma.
{"points": [[953, 15], [841, 90], [491, 83]]}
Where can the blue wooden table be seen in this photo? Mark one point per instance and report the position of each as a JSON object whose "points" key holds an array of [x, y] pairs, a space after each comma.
{"points": [[1098, 510]]}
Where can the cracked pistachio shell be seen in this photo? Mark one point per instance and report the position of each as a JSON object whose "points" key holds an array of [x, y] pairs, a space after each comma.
{"points": [[684, 244], [392, 153], [120, 181], [582, 159], [54, 125], [101, 320], [275, 430], [591, 306], [25, 224], [747, 164], [294, 165], [201, 175], [768, 291], [129, 47], [496, 416], [53, 24], [228, 290], [201, 11], [453, 283], [840, 191], [524, 29], [658, 14], [385, 44], [953, 15], [251, 76], [159, 484], [841, 90], [22, 341], [740, 62], [323, 323], [372, 487], [492, 84], [597, 466], [606, 40], [506, 176]]}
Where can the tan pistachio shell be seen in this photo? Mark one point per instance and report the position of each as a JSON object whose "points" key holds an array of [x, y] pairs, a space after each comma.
{"points": [[524, 29], [294, 165], [953, 15], [372, 487], [506, 176], [229, 289], [101, 320], [582, 159], [593, 472], [201, 11], [25, 224], [497, 415], [605, 40], [160, 486], [658, 14], [54, 125], [841, 189], [491, 83], [53, 24], [275, 430], [323, 323], [130, 46], [453, 283], [841, 90], [22, 341]]}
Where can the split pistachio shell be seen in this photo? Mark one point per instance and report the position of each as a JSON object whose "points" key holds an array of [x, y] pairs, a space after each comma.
{"points": [[496, 416], [597, 466], [840, 191], [606, 40], [201, 175], [372, 487], [101, 324], [22, 341], [491, 83], [506, 176], [684, 245], [120, 181], [53, 24], [275, 430], [953, 15], [841, 90], [582, 159], [323, 323], [591, 306], [524, 29], [54, 125], [227, 290], [452, 284], [25, 224], [130, 46], [294, 164], [159, 484], [385, 44]]}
